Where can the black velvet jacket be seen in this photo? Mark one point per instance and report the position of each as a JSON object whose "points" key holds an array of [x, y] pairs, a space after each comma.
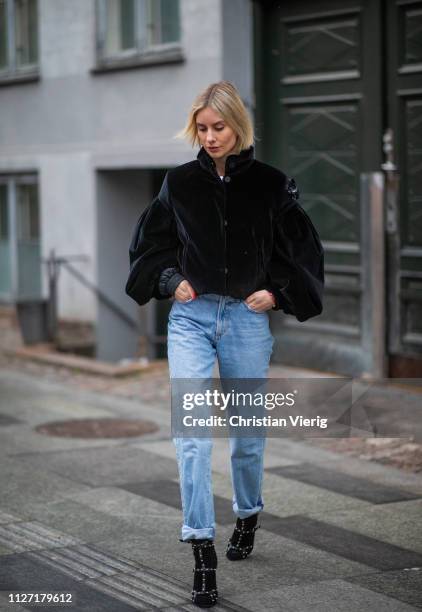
{"points": [[231, 237]]}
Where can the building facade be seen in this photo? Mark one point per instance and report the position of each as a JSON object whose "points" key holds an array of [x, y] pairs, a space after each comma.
{"points": [[92, 93]]}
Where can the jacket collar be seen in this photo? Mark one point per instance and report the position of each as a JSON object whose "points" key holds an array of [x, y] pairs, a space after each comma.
{"points": [[234, 163]]}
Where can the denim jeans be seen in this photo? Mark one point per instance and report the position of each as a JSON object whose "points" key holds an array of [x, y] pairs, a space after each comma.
{"points": [[209, 327]]}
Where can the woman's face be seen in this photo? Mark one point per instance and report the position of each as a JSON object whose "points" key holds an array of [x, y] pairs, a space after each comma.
{"points": [[217, 138]]}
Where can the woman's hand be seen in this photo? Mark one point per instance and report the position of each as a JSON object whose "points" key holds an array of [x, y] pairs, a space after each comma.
{"points": [[184, 292], [260, 301]]}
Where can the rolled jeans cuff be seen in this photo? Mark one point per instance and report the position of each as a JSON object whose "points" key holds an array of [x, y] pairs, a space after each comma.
{"points": [[188, 533], [242, 514]]}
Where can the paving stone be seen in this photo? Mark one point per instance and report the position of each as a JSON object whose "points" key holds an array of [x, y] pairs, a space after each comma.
{"points": [[6, 420], [82, 522], [106, 465], [220, 454], [122, 503], [285, 497], [301, 452], [398, 524], [405, 585], [21, 573], [4, 550], [6, 606], [343, 483], [23, 536], [373, 471], [44, 404], [6, 517], [342, 542], [325, 596], [32, 397], [25, 437], [168, 492], [23, 485]]}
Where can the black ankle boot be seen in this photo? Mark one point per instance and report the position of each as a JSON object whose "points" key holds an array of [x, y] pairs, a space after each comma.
{"points": [[204, 593], [241, 543]]}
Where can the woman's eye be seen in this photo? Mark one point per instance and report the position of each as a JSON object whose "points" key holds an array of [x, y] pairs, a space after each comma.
{"points": [[217, 129]]}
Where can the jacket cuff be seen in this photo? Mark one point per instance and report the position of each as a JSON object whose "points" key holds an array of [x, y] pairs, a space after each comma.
{"points": [[170, 279], [283, 301]]}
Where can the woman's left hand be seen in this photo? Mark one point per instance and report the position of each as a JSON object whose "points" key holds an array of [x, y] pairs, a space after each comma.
{"points": [[260, 301]]}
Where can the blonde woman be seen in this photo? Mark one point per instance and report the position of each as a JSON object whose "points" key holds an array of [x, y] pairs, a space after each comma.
{"points": [[228, 240]]}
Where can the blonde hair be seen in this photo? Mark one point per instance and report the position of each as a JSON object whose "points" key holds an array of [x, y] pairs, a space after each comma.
{"points": [[223, 98]]}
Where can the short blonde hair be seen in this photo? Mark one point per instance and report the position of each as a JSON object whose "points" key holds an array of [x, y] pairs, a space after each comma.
{"points": [[223, 98]]}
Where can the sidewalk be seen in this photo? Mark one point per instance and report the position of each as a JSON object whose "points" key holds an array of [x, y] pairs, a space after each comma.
{"points": [[100, 518]]}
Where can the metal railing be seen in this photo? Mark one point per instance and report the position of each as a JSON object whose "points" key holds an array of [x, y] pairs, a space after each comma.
{"points": [[54, 264]]}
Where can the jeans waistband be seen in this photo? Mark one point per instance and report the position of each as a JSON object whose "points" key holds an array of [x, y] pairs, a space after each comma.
{"points": [[215, 297]]}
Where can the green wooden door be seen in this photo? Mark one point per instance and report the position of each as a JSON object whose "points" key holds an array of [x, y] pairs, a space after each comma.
{"points": [[404, 116], [321, 83]]}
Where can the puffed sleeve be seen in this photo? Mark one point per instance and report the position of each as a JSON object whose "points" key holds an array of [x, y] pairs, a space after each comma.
{"points": [[296, 269], [153, 248]]}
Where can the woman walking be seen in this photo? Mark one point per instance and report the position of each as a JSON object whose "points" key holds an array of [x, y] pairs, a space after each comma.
{"points": [[228, 240]]}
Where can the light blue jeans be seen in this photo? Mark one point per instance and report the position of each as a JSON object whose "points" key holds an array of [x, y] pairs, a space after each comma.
{"points": [[199, 331]]}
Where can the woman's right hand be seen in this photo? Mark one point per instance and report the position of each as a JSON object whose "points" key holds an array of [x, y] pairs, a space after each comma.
{"points": [[184, 292]]}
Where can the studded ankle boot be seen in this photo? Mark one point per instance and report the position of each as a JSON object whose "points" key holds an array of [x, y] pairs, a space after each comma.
{"points": [[241, 543], [204, 593]]}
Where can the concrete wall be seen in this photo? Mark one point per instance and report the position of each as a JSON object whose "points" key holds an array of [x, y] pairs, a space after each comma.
{"points": [[238, 48], [73, 122], [67, 196]]}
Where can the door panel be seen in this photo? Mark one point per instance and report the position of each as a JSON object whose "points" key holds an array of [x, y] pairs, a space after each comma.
{"points": [[319, 116], [404, 79]]}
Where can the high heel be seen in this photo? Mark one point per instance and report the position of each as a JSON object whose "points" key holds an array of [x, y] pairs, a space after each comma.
{"points": [[240, 545], [204, 592]]}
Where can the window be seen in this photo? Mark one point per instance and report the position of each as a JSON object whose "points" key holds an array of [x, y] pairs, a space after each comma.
{"points": [[18, 38], [137, 31], [5, 250], [4, 214], [27, 213], [20, 244]]}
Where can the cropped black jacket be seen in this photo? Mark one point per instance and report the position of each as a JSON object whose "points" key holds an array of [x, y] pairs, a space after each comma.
{"points": [[231, 237]]}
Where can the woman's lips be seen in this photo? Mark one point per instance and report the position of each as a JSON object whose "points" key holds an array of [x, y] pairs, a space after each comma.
{"points": [[213, 148]]}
